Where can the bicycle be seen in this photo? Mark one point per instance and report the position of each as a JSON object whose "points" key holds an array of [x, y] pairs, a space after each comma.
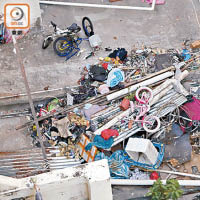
{"points": [[170, 113], [68, 32], [70, 47], [150, 123], [66, 41]]}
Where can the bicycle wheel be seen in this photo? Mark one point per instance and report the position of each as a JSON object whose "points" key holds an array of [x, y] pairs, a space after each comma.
{"points": [[151, 124], [168, 113], [144, 95], [47, 41], [184, 121], [87, 26], [62, 46]]}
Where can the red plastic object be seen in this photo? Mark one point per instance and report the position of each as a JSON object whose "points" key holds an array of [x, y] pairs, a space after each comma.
{"points": [[154, 176], [43, 112], [105, 66], [125, 104], [107, 133]]}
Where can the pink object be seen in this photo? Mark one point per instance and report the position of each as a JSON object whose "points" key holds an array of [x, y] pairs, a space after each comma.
{"points": [[103, 89], [132, 106], [150, 123], [192, 109], [158, 2], [107, 133]]}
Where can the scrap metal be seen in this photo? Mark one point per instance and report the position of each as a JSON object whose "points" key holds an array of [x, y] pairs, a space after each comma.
{"points": [[29, 162]]}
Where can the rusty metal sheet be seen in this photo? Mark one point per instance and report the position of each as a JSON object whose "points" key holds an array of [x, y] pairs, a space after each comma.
{"points": [[29, 162]]}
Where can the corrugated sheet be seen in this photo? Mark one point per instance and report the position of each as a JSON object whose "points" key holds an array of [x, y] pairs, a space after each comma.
{"points": [[171, 97], [30, 162]]}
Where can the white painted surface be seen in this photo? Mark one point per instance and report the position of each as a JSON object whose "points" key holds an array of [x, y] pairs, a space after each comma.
{"points": [[151, 182], [85, 182], [100, 5]]}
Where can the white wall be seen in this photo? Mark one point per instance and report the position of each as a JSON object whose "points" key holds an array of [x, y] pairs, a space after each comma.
{"points": [[85, 182]]}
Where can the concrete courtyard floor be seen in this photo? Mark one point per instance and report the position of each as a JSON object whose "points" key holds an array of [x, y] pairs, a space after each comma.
{"points": [[165, 27]]}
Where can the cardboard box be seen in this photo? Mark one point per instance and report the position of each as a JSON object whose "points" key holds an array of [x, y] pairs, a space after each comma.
{"points": [[88, 156]]}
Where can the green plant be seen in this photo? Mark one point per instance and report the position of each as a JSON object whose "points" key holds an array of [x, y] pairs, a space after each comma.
{"points": [[165, 192], [131, 96]]}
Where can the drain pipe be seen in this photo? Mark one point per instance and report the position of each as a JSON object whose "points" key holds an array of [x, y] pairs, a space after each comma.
{"points": [[99, 5]]}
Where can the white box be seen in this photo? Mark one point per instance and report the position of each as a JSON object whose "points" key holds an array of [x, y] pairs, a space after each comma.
{"points": [[142, 150], [95, 41]]}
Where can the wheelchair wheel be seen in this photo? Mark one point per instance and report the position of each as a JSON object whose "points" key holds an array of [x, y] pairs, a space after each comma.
{"points": [[87, 26], [62, 46]]}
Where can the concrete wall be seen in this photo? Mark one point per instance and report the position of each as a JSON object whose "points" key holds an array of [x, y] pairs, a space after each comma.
{"points": [[35, 14], [85, 182]]}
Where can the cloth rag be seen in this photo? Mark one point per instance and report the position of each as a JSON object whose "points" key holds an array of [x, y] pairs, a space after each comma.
{"points": [[92, 110], [100, 143], [107, 133], [117, 164], [63, 126], [115, 76]]}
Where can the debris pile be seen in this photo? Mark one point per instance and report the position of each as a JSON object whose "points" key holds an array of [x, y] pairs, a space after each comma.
{"points": [[129, 108]]}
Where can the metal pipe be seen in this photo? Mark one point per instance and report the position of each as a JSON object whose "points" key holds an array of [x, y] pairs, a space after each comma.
{"points": [[23, 73], [143, 83], [178, 173], [37, 92], [99, 5], [151, 182]]}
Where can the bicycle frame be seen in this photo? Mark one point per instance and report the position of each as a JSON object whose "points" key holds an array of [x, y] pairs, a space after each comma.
{"points": [[143, 110], [59, 33], [142, 116], [77, 42]]}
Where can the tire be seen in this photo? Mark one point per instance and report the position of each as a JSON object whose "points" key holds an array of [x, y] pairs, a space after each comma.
{"points": [[88, 29], [59, 50], [47, 41], [156, 124], [171, 117], [139, 95]]}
